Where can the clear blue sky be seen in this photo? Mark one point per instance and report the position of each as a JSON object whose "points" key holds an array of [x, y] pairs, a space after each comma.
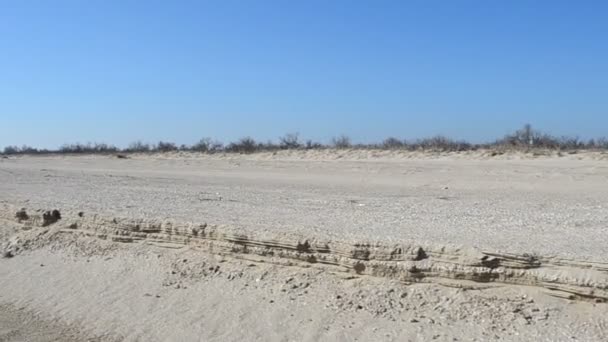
{"points": [[118, 71]]}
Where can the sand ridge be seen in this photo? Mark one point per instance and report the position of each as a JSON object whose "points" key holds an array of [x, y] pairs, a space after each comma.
{"points": [[407, 262]]}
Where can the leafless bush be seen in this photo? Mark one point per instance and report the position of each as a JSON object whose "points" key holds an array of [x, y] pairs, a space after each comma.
{"points": [[528, 138], [392, 143], [87, 148], [341, 142], [598, 144], [268, 146], [525, 138], [207, 145], [244, 145], [441, 143], [104, 148], [290, 141], [31, 150], [202, 145], [72, 148], [164, 146], [216, 146], [137, 146], [310, 145], [25, 149], [11, 150]]}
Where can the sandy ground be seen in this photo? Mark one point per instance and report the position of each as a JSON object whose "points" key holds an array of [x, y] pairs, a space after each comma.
{"points": [[142, 294], [76, 287], [19, 324], [544, 206]]}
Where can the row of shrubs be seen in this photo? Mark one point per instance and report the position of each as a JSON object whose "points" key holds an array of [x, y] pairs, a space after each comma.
{"points": [[523, 139]]}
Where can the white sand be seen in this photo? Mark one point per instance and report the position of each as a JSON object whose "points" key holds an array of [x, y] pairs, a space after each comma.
{"points": [[71, 283], [544, 206]]}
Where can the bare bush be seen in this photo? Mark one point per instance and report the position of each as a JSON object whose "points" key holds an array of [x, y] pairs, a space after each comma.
{"points": [[104, 148], [597, 144], [522, 138], [290, 141], [268, 146], [137, 146], [525, 138], [72, 148], [393, 143], [441, 143], [31, 150], [202, 145], [310, 145], [244, 145], [528, 138], [11, 150], [341, 142], [25, 149], [215, 146], [87, 148], [206, 145], [164, 146]]}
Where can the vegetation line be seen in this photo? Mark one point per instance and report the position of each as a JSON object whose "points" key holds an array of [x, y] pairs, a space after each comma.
{"points": [[525, 138]]}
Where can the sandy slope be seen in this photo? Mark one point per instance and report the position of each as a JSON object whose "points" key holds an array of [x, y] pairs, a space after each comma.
{"points": [[104, 276]]}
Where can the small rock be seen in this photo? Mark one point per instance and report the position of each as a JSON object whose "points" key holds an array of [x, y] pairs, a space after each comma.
{"points": [[413, 320], [8, 254], [50, 217], [21, 215]]}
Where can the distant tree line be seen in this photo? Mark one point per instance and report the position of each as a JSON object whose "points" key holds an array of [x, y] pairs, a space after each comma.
{"points": [[525, 138]]}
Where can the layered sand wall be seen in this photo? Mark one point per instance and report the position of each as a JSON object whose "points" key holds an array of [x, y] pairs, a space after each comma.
{"points": [[408, 262]]}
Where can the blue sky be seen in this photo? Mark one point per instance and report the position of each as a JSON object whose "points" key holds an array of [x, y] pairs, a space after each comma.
{"points": [[119, 71]]}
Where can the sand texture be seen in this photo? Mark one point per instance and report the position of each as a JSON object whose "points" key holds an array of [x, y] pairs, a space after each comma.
{"points": [[321, 245]]}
